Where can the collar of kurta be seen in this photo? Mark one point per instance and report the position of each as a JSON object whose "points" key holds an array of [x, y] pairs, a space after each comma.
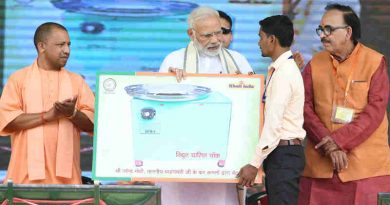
{"points": [[335, 60], [33, 103], [191, 60]]}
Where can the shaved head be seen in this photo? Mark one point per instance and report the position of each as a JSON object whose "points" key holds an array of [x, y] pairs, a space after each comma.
{"points": [[44, 30]]}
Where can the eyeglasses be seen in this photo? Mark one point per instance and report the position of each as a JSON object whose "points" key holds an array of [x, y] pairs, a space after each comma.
{"points": [[208, 36], [226, 31], [327, 30]]}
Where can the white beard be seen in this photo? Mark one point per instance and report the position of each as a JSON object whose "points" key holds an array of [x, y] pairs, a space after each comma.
{"points": [[204, 50]]}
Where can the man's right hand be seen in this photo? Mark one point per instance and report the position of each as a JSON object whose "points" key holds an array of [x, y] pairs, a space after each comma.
{"points": [[247, 175], [31, 120], [327, 145], [180, 73]]}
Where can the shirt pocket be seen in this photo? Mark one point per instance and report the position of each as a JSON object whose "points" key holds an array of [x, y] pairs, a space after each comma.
{"points": [[359, 94]]}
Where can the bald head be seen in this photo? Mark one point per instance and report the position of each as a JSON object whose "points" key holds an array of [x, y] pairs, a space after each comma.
{"points": [[44, 30]]}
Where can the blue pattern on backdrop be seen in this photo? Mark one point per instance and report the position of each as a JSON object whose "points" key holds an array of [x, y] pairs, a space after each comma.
{"points": [[119, 35]]}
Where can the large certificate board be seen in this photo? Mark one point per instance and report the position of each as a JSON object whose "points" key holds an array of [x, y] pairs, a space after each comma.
{"points": [[149, 127]]}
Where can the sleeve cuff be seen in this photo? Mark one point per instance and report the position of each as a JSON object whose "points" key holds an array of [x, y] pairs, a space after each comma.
{"points": [[255, 164], [338, 142], [6, 120], [256, 161]]}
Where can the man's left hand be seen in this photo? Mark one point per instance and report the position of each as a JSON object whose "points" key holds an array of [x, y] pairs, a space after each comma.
{"points": [[339, 160], [247, 175], [67, 106]]}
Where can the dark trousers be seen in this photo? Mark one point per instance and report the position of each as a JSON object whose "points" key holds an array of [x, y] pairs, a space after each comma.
{"points": [[283, 168]]}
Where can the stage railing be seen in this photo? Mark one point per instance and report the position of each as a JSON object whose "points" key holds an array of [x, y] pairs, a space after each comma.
{"points": [[383, 198], [34, 194]]}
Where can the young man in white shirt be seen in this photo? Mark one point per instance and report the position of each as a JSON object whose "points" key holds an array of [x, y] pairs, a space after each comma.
{"points": [[279, 149]]}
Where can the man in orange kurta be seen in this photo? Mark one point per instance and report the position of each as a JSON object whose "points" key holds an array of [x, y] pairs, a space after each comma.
{"points": [[346, 95], [44, 108]]}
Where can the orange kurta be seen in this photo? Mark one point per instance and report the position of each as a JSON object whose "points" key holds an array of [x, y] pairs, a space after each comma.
{"points": [[12, 105], [369, 158]]}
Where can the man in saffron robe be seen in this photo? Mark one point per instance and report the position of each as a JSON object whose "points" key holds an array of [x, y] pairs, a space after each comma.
{"points": [[346, 95], [44, 107]]}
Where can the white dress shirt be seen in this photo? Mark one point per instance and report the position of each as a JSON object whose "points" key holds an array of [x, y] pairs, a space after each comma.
{"points": [[283, 112]]}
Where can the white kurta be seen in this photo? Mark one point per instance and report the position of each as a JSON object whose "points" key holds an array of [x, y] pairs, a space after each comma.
{"points": [[207, 64], [174, 193]]}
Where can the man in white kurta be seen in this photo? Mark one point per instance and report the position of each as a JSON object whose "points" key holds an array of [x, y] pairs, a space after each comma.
{"points": [[204, 54], [207, 64]]}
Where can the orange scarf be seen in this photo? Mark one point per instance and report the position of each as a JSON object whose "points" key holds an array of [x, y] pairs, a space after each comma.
{"points": [[35, 143]]}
